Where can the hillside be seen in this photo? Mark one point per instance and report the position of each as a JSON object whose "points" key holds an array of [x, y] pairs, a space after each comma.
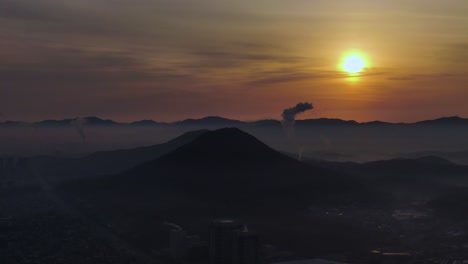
{"points": [[235, 167], [222, 173], [109, 162]]}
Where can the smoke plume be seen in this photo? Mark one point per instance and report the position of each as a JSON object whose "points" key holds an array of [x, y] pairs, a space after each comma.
{"points": [[301, 150], [176, 226], [78, 124], [289, 114], [289, 118]]}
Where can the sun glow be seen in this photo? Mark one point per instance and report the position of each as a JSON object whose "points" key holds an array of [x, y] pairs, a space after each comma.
{"points": [[353, 63]]}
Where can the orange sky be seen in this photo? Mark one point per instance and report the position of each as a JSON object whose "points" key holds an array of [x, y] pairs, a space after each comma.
{"points": [[173, 59]]}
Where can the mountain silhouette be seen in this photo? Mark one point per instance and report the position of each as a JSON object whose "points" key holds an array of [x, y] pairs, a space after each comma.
{"points": [[225, 122], [112, 162], [209, 120], [232, 166], [420, 174], [12, 124], [405, 163], [221, 173], [266, 123], [452, 120], [325, 122], [96, 121], [423, 171], [146, 123], [225, 146], [89, 121], [63, 122], [378, 123], [459, 157], [119, 160]]}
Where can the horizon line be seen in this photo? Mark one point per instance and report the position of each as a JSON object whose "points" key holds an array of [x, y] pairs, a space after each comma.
{"points": [[230, 119]]}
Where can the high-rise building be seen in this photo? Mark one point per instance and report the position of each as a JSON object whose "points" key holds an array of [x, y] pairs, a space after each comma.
{"points": [[183, 247], [246, 247], [179, 244], [222, 240]]}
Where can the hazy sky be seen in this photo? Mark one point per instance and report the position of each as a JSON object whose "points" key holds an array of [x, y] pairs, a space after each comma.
{"points": [[246, 59]]}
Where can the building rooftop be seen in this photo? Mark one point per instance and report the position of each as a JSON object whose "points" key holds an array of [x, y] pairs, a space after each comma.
{"points": [[309, 261]]}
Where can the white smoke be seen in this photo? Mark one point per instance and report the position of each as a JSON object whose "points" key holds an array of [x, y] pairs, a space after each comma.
{"points": [[301, 150], [289, 119], [78, 124], [173, 225]]}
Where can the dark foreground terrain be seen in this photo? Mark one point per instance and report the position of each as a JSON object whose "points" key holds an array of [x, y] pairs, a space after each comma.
{"points": [[114, 207], [35, 228]]}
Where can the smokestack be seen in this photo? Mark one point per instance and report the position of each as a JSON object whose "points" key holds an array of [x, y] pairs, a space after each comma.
{"points": [[78, 124], [289, 118], [289, 114], [301, 150]]}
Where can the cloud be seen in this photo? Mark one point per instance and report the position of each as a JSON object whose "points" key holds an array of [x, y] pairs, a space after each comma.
{"points": [[281, 78], [237, 59], [249, 57], [402, 78], [413, 77], [300, 74], [454, 53], [27, 10], [55, 17], [71, 65], [100, 55]]}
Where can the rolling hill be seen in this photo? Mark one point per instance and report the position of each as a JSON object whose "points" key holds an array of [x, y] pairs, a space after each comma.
{"points": [[217, 121], [108, 162], [233, 167], [221, 173]]}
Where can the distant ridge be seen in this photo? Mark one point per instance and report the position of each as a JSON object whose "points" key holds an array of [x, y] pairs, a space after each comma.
{"points": [[221, 173], [209, 120], [225, 145], [89, 121], [452, 120], [55, 122], [326, 122], [235, 167], [114, 161], [146, 123], [217, 121]]}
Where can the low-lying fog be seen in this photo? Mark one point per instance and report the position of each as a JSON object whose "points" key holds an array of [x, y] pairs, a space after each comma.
{"points": [[338, 143]]}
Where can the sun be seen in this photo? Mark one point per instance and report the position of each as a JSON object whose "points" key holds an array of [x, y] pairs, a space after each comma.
{"points": [[353, 63]]}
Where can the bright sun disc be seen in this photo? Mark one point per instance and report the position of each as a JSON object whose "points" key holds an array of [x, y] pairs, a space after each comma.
{"points": [[353, 64]]}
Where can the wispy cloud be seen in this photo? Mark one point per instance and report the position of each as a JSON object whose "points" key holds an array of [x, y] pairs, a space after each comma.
{"points": [[299, 74], [413, 77], [236, 59], [454, 53], [98, 54], [74, 66]]}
